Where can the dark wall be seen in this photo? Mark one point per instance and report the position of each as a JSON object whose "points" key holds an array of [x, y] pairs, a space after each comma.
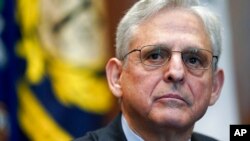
{"points": [[116, 9]]}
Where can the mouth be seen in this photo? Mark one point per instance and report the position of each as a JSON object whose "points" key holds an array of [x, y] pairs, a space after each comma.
{"points": [[171, 97]]}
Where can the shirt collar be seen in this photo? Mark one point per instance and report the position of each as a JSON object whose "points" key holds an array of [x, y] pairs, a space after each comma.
{"points": [[129, 133]]}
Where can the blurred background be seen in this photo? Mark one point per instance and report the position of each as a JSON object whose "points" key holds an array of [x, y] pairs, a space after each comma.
{"points": [[52, 59]]}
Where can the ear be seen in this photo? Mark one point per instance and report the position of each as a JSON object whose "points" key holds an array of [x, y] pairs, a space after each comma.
{"points": [[113, 73], [218, 80]]}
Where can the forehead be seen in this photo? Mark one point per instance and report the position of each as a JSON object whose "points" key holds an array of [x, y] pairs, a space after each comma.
{"points": [[171, 23]]}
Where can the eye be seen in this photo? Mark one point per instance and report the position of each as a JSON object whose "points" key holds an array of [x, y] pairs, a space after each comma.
{"points": [[195, 60], [192, 59], [155, 56]]}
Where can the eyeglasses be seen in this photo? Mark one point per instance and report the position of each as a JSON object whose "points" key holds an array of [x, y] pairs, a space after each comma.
{"points": [[159, 55]]}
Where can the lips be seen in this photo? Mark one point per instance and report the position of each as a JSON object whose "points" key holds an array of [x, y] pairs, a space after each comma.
{"points": [[170, 96]]}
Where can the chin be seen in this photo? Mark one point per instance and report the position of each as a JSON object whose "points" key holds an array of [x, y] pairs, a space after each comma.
{"points": [[173, 120]]}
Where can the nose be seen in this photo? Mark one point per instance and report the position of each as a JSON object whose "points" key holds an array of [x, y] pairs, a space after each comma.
{"points": [[175, 69]]}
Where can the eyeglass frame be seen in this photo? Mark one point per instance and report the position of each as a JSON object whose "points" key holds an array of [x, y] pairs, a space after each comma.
{"points": [[167, 60]]}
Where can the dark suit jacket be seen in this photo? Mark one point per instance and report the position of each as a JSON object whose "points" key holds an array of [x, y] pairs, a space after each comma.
{"points": [[114, 132]]}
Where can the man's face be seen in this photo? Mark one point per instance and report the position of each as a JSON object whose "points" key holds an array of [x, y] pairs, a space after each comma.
{"points": [[171, 95]]}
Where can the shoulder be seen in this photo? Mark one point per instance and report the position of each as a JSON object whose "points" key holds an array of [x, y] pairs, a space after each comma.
{"points": [[112, 132], [201, 137], [87, 137], [91, 136]]}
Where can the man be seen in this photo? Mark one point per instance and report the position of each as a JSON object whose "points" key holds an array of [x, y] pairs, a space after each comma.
{"points": [[165, 73]]}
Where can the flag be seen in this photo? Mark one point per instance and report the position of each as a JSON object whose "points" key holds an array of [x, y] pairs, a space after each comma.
{"points": [[10, 71], [56, 84]]}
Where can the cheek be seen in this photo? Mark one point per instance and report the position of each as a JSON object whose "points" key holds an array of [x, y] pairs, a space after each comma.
{"points": [[137, 87], [201, 89]]}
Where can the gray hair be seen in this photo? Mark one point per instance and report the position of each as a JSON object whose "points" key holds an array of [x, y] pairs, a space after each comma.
{"points": [[143, 9]]}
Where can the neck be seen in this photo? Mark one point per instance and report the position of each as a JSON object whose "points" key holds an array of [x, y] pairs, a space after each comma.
{"points": [[149, 132]]}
